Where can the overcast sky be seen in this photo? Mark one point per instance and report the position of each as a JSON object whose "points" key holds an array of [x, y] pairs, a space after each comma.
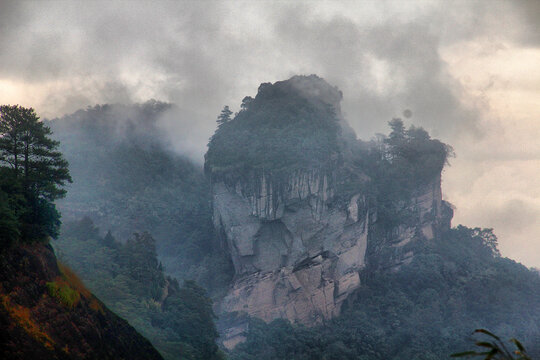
{"points": [[469, 72]]}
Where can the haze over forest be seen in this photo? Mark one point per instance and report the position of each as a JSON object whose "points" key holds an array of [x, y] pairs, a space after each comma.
{"points": [[467, 73], [262, 180]]}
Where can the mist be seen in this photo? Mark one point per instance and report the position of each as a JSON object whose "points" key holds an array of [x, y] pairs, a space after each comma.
{"points": [[268, 179], [466, 73]]}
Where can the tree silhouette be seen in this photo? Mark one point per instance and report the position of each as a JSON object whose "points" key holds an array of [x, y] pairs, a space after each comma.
{"points": [[29, 158], [225, 116]]}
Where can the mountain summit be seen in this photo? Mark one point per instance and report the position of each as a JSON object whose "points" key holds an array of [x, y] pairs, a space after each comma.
{"points": [[301, 206]]}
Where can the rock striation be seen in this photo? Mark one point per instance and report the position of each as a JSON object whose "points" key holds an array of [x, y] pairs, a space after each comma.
{"points": [[294, 255]]}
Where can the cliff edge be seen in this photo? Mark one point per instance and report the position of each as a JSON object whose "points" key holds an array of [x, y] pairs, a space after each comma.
{"points": [[300, 206]]}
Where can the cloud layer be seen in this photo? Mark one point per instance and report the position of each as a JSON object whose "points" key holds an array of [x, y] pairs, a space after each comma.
{"points": [[454, 67]]}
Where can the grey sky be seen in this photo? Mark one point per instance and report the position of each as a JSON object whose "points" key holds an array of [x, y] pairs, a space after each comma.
{"points": [[464, 68]]}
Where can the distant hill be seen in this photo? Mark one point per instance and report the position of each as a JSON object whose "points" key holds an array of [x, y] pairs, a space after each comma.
{"points": [[126, 179]]}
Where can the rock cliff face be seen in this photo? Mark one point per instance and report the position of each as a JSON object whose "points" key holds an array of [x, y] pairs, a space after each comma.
{"points": [[294, 256], [46, 313], [429, 215], [297, 241]]}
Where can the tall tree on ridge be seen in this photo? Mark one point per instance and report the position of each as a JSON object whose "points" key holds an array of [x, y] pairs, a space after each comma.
{"points": [[225, 116], [30, 158]]}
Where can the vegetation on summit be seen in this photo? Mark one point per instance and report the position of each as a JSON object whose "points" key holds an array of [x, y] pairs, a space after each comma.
{"points": [[277, 131]]}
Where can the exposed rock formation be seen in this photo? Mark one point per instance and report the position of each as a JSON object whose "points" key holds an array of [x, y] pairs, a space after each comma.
{"points": [[294, 256], [297, 240], [430, 215]]}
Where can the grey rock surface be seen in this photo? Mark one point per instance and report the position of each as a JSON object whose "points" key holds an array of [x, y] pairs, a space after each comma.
{"points": [[297, 257], [294, 256]]}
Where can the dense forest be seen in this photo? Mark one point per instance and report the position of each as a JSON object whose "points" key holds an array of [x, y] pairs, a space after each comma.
{"points": [[276, 132], [427, 310], [127, 276], [127, 179], [33, 174], [129, 279]]}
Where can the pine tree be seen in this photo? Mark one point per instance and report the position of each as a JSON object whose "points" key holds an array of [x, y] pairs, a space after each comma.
{"points": [[109, 239], [225, 116], [9, 225], [30, 158]]}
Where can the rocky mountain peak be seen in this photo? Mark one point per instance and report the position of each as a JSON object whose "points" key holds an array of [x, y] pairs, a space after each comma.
{"points": [[302, 209]]}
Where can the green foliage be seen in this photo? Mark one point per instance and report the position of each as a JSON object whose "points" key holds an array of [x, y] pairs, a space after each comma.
{"points": [[424, 311], [129, 279], [63, 292], [139, 258], [413, 154], [9, 224], [27, 149], [33, 175], [190, 313], [400, 165], [495, 349], [127, 180], [278, 131], [225, 116]]}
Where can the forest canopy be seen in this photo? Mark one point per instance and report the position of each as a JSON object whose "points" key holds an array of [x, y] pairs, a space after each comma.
{"points": [[277, 131]]}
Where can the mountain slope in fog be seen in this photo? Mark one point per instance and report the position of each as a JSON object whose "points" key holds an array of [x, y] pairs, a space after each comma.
{"points": [[126, 178], [295, 221], [129, 279], [326, 229]]}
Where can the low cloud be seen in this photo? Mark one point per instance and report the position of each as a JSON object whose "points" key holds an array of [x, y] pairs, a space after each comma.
{"points": [[386, 57]]}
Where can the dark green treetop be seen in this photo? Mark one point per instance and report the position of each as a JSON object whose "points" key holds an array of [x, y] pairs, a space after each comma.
{"points": [[34, 170], [284, 128], [26, 147], [224, 116]]}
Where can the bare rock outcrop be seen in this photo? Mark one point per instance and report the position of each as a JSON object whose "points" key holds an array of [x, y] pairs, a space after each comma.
{"points": [[295, 257]]}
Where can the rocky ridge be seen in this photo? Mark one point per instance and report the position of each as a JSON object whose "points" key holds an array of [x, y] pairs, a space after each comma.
{"points": [[297, 251]]}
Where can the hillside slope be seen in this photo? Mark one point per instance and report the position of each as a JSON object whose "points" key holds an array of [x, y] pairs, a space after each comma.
{"points": [[126, 179], [47, 313]]}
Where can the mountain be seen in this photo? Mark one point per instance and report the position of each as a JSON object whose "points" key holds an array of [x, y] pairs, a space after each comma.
{"points": [[313, 244], [127, 179], [349, 240], [298, 211], [47, 313]]}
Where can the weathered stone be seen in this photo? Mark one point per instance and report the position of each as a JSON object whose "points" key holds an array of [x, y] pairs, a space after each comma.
{"points": [[296, 247], [300, 266], [303, 261]]}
